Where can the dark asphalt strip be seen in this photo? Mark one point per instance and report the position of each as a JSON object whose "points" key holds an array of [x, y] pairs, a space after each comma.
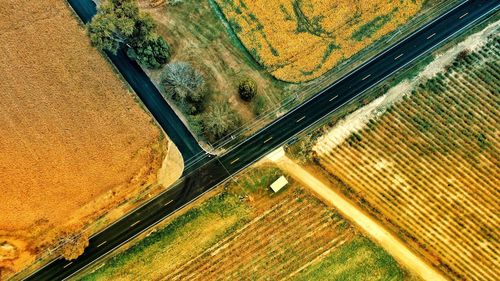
{"points": [[219, 169]]}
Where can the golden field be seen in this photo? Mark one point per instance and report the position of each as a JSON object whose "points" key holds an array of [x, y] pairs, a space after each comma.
{"points": [[74, 142], [299, 40]]}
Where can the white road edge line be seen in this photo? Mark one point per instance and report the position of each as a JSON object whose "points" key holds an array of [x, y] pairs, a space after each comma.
{"points": [[333, 98]]}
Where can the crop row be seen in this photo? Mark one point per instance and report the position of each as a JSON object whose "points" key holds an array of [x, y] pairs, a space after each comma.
{"points": [[429, 164]]}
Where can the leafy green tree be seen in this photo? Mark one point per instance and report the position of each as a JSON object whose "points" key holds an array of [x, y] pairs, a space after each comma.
{"points": [[151, 54], [220, 121], [120, 22], [247, 89], [113, 24]]}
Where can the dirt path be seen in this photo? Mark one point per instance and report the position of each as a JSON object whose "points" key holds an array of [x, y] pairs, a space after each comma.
{"points": [[368, 225]]}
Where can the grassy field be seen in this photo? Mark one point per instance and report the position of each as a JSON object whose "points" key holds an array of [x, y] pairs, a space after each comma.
{"points": [[74, 142], [429, 165], [299, 40], [245, 232]]}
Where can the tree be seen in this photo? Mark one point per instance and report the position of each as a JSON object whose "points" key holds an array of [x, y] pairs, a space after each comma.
{"points": [[247, 89], [120, 22], [74, 246], [152, 54], [113, 24], [185, 85], [220, 121]]}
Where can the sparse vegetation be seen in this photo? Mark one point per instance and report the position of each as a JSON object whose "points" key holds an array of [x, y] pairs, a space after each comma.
{"points": [[200, 36]]}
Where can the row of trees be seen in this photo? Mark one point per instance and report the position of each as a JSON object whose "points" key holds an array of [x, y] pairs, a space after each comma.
{"points": [[119, 22]]}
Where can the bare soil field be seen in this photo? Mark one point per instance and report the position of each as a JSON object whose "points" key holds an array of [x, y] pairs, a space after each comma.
{"points": [[428, 164], [246, 232], [299, 40], [74, 141]]}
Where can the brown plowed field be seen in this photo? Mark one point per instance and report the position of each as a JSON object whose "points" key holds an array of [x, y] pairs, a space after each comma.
{"points": [[73, 141]]}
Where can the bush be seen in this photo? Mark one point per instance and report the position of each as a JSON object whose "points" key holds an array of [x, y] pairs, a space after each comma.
{"points": [[259, 105], [185, 85], [73, 246], [220, 121], [247, 89]]}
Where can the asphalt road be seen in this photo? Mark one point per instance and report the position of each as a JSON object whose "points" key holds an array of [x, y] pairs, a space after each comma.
{"points": [[218, 169], [147, 92]]}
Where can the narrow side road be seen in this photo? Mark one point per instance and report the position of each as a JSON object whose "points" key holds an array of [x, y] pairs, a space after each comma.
{"points": [[366, 223]]}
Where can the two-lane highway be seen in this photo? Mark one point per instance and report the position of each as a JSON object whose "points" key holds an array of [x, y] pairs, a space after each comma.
{"points": [[220, 168]]}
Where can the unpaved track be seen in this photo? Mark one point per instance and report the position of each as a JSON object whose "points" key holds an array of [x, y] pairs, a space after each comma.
{"points": [[368, 225]]}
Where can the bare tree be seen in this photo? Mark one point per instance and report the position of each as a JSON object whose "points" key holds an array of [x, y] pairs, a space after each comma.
{"points": [[185, 85]]}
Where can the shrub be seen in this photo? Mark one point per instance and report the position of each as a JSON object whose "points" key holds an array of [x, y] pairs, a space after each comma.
{"points": [[185, 85], [247, 89], [259, 105], [220, 121]]}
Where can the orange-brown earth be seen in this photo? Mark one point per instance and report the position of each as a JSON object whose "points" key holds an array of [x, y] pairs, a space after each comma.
{"points": [[73, 140]]}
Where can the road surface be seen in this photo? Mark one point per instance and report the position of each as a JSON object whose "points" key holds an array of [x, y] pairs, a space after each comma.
{"points": [[218, 169]]}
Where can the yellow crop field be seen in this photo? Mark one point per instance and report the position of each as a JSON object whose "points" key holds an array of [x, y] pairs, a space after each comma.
{"points": [[429, 165], [299, 40]]}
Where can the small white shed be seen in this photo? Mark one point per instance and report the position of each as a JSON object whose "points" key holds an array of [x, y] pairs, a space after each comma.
{"points": [[278, 184]]}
